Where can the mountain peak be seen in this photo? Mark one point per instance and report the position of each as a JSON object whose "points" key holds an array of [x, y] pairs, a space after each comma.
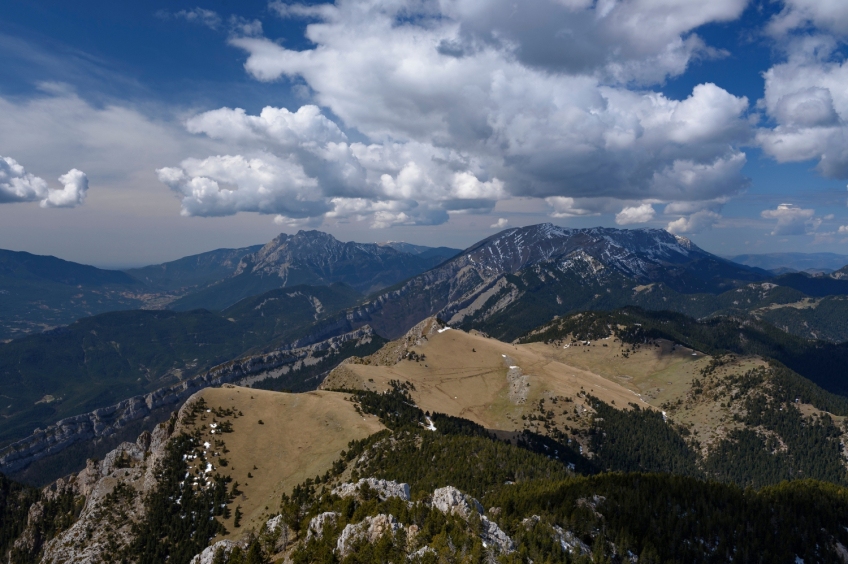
{"points": [[629, 251]]}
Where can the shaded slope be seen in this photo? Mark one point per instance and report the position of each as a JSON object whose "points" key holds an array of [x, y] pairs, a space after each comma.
{"points": [[38, 292], [101, 360], [194, 270]]}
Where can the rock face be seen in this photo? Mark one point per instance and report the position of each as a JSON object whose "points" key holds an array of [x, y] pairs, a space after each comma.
{"points": [[383, 488], [492, 535], [317, 523], [109, 420], [369, 529], [114, 490], [451, 501]]}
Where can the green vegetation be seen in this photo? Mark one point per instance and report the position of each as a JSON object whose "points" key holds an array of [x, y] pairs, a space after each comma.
{"points": [[815, 286], [638, 440], [52, 512], [177, 522], [826, 320], [663, 518], [553, 516]]}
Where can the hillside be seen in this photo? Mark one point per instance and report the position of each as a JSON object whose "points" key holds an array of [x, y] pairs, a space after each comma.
{"points": [[192, 271], [40, 292], [624, 395], [449, 493], [282, 440], [101, 360]]}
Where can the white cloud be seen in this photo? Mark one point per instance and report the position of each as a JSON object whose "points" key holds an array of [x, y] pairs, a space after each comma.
{"points": [[695, 223], [829, 15], [75, 188], [636, 214], [464, 103], [564, 206], [843, 229], [273, 125], [806, 95], [226, 185], [395, 183], [501, 223], [17, 185], [791, 220]]}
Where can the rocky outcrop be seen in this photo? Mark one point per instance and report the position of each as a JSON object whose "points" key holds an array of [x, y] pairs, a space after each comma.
{"points": [[208, 554], [369, 529], [317, 523], [114, 491], [492, 535], [383, 488], [451, 501], [107, 421]]}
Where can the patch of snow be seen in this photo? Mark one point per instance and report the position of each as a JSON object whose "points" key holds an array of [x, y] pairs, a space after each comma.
{"points": [[443, 329], [429, 426]]}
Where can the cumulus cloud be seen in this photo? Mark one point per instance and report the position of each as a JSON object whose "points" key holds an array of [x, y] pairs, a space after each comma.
{"points": [[695, 223], [843, 230], [806, 95], [17, 185], [501, 223], [310, 168], [635, 214], [226, 185], [462, 105], [791, 220], [72, 194]]}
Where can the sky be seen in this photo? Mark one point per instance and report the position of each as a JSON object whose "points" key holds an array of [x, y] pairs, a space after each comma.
{"points": [[135, 133]]}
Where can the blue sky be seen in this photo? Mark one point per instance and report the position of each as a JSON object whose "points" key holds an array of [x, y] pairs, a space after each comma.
{"points": [[137, 133]]}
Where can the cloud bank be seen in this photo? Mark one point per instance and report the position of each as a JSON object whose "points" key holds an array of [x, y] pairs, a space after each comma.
{"points": [[446, 108]]}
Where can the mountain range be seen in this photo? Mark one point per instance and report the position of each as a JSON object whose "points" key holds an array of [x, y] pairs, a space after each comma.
{"points": [[43, 292], [313, 258], [505, 285], [782, 263], [663, 397]]}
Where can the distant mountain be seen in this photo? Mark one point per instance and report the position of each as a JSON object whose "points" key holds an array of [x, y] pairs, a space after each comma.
{"points": [[314, 258], [820, 285], [779, 263], [443, 253], [573, 268], [38, 292], [191, 271]]}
